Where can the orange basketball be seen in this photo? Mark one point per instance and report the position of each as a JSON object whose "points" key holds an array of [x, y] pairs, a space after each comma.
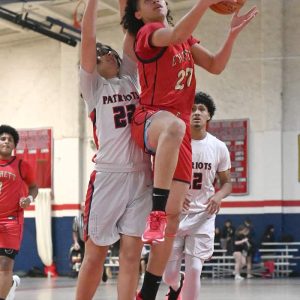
{"points": [[227, 8]]}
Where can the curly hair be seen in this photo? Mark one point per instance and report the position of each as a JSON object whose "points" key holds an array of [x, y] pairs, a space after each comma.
{"points": [[207, 100], [12, 131], [131, 23]]}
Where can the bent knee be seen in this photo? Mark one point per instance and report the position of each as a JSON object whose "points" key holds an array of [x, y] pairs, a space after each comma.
{"points": [[175, 129]]}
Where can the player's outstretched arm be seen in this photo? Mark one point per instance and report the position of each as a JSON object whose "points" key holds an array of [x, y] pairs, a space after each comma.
{"points": [[184, 27], [128, 41], [216, 63], [88, 37]]}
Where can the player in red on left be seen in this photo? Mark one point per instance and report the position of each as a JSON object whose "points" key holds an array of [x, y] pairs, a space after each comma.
{"points": [[15, 174]]}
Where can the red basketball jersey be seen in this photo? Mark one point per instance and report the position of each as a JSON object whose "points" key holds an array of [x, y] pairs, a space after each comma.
{"points": [[14, 176], [166, 74]]}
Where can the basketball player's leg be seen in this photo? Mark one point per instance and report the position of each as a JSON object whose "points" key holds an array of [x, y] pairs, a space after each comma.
{"points": [[91, 270], [171, 274], [192, 283], [129, 259], [6, 273], [164, 135], [160, 253]]}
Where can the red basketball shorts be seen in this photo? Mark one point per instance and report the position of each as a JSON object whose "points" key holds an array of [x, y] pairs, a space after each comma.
{"points": [[139, 127], [10, 233]]}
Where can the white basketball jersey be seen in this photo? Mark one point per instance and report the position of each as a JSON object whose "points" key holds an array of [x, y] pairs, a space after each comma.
{"points": [[111, 104], [210, 156]]}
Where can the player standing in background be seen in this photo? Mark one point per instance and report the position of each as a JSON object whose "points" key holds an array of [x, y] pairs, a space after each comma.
{"points": [[166, 57], [119, 193], [195, 237], [15, 174]]}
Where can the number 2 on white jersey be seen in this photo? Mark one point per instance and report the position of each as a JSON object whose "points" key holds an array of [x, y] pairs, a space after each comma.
{"points": [[182, 74]]}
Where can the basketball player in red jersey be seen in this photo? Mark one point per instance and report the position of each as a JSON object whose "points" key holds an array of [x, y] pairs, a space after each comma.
{"points": [[166, 57], [14, 174]]}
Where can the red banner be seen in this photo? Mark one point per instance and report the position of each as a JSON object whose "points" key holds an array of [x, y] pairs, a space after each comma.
{"points": [[234, 133], [35, 147]]}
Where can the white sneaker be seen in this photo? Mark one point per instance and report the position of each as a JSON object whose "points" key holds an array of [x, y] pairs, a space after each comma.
{"points": [[16, 283], [238, 277], [249, 276]]}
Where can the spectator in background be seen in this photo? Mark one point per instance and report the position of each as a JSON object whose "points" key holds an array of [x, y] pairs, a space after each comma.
{"points": [[251, 251], [77, 231], [17, 190], [268, 236], [217, 242], [218, 236], [144, 260], [227, 240], [241, 248], [78, 247]]}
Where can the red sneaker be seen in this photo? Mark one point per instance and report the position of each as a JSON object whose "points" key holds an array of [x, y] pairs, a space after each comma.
{"points": [[138, 296], [155, 228], [176, 295]]}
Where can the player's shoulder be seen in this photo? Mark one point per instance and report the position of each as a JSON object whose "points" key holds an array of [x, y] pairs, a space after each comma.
{"points": [[214, 140]]}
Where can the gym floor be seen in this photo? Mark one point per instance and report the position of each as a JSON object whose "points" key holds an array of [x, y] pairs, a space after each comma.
{"points": [[63, 288]]}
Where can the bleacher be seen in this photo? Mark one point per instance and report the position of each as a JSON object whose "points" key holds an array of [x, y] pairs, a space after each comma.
{"points": [[284, 256]]}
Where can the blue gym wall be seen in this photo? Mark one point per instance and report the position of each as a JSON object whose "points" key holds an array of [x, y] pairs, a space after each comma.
{"points": [[62, 237]]}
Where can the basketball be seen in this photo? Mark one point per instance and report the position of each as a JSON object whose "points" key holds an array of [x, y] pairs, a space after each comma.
{"points": [[227, 8]]}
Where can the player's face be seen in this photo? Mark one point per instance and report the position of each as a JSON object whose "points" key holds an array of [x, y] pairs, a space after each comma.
{"points": [[7, 145], [151, 10], [108, 65], [200, 116]]}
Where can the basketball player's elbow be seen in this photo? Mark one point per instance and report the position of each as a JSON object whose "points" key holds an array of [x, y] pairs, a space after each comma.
{"points": [[179, 36], [216, 69]]}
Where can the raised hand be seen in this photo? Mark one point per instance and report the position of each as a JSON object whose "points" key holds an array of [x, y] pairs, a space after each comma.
{"points": [[239, 22]]}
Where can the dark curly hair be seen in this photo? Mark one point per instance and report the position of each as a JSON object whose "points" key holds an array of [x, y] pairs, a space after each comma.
{"points": [[12, 131], [131, 23], [207, 100]]}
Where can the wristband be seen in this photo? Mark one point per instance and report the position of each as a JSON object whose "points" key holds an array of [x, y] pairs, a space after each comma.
{"points": [[30, 198]]}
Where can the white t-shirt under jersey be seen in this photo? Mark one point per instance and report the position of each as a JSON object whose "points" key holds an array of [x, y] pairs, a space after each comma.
{"points": [[111, 104], [210, 156]]}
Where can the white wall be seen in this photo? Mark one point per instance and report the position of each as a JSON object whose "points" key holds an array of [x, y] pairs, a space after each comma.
{"points": [[39, 88]]}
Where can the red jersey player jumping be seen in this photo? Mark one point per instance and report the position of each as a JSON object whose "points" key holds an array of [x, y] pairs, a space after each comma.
{"points": [[166, 57], [14, 174]]}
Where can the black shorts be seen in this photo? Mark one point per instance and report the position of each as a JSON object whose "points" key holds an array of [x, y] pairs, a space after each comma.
{"points": [[11, 253]]}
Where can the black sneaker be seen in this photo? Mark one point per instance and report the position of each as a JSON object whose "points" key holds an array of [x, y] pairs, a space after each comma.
{"points": [[175, 295]]}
